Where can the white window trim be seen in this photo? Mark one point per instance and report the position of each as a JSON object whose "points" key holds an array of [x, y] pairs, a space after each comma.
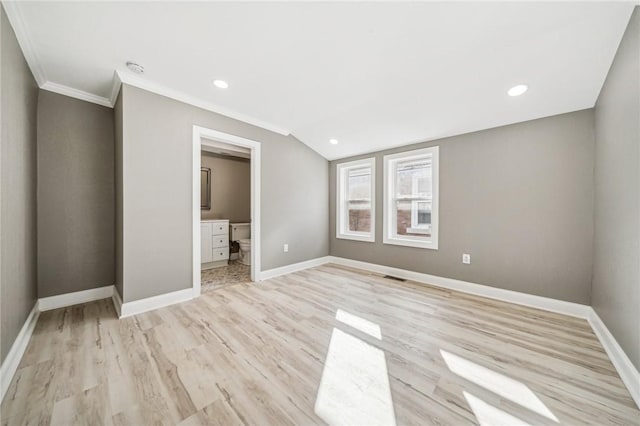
{"points": [[390, 213], [342, 231]]}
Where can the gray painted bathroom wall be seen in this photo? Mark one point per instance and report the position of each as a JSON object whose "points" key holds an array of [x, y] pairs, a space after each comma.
{"points": [[18, 272], [518, 198], [616, 269], [230, 188], [76, 214], [156, 162]]}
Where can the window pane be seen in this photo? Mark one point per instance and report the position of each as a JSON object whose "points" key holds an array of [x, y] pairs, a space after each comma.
{"points": [[424, 213], [413, 178], [359, 184], [355, 199], [359, 199], [359, 216], [413, 218], [411, 198]]}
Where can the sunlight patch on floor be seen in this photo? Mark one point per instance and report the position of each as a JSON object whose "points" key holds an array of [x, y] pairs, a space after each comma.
{"points": [[354, 388], [497, 383], [488, 415], [366, 326]]}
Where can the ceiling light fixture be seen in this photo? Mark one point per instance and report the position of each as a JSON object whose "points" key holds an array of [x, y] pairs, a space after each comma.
{"points": [[517, 90], [220, 84], [333, 141], [137, 68]]}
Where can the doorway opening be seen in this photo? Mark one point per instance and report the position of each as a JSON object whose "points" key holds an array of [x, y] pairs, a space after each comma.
{"points": [[225, 243]]}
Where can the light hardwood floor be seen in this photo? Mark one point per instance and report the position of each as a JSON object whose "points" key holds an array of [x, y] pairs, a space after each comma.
{"points": [[325, 345]]}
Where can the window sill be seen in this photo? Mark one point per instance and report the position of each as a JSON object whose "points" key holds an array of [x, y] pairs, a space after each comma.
{"points": [[419, 231], [431, 245], [355, 237]]}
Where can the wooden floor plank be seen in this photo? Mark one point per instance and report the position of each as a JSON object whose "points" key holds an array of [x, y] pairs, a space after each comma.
{"points": [[257, 353]]}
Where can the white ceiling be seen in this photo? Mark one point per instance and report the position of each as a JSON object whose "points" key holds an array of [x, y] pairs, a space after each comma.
{"points": [[372, 75]]}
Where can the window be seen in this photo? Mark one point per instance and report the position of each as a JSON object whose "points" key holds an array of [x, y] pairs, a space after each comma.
{"points": [[411, 198], [355, 216]]}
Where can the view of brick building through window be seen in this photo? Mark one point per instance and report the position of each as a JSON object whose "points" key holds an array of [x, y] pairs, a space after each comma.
{"points": [[413, 197], [404, 226], [359, 195], [359, 218]]}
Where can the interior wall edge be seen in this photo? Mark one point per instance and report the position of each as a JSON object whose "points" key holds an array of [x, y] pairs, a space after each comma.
{"points": [[11, 362], [615, 288], [621, 361], [18, 187]]}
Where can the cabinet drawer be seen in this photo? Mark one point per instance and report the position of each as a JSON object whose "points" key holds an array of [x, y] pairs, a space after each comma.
{"points": [[219, 241], [220, 228], [220, 254]]}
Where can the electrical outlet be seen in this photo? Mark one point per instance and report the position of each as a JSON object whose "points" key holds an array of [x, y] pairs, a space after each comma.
{"points": [[466, 259], [285, 248]]}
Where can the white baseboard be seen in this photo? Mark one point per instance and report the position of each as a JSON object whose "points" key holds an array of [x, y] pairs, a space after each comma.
{"points": [[627, 371], [69, 299], [545, 303], [11, 362], [276, 272], [150, 303]]}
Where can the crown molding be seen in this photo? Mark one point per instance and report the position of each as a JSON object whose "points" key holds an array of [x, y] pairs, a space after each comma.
{"points": [[20, 29], [75, 93], [16, 20], [116, 84], [194, 101]]}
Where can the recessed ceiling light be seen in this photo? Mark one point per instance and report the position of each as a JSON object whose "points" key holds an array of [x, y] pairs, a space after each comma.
{"points": [[220, 84], [517, 90], [333, 141], [137, 68]]}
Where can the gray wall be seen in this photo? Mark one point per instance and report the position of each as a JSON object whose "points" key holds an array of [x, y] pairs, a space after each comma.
{"points": [[616, 268], [18, 285], [518, 198], [75, 195], [230, 188], [157, 139]]}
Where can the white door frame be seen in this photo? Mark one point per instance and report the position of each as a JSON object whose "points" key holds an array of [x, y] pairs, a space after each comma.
{"points": [[200, 136]]}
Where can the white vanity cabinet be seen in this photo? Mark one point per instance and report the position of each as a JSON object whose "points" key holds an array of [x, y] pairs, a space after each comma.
{"points": [[206, 254], [214, 243]]}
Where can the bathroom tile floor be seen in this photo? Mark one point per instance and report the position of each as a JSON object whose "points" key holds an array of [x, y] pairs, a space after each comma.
{"points": [[234, 273]]}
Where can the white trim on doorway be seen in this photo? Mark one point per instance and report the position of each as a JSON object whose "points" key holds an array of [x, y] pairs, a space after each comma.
{"points": [[200, 137]]}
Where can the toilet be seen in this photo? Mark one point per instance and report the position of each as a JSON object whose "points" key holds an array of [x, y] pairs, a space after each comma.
{"points": [[245, 251], [241, 232]]}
